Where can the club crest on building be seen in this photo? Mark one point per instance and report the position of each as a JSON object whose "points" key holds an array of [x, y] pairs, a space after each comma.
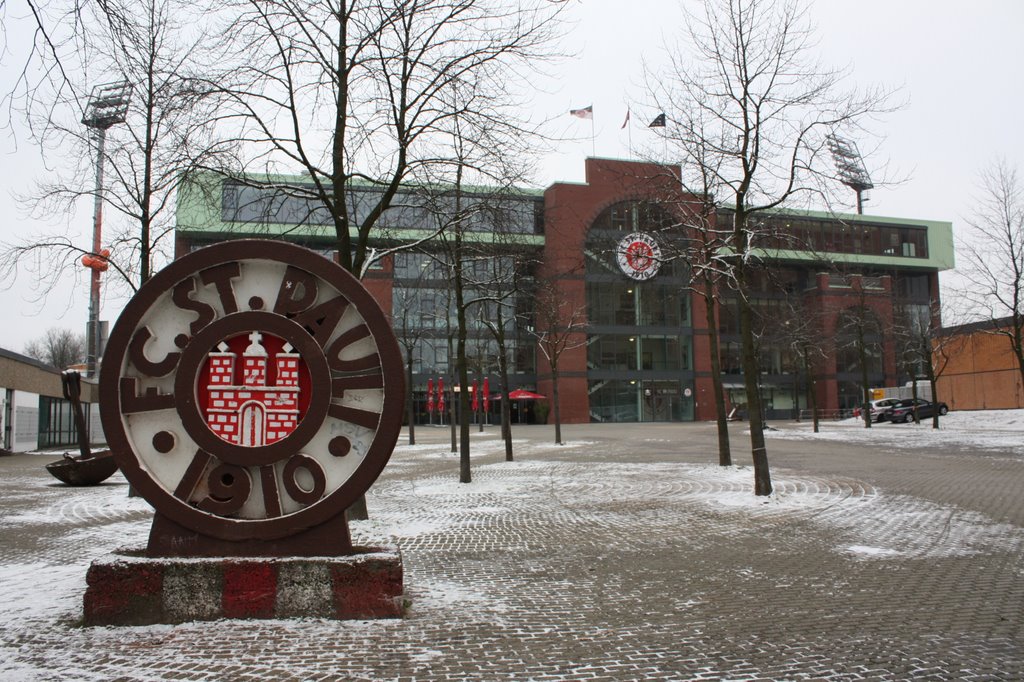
{"points": [[639, 256]]}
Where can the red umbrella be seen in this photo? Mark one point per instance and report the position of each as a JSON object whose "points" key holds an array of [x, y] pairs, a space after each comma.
{"points": [[476, 397], [520, 394], [440, 394], [487, 396], [430, 395]]}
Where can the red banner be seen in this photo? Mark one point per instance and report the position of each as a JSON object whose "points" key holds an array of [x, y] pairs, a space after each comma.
{"points": [[487, 396], [430, 396], [440, 394], [476, 396]]}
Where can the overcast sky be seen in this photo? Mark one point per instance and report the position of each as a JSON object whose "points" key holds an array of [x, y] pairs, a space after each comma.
{"points": [[957, 64]]}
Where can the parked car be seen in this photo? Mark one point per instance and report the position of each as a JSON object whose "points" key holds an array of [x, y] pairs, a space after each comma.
{"points": [[878, 408], [903, 411]]}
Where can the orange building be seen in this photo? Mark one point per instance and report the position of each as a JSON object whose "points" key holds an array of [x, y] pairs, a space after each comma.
{"points": [[981, 371]]}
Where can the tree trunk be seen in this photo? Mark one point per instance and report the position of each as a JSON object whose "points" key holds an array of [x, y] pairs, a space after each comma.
{"points": [[862, 356], [452, 426], [913, 394], [555, 407], [506, 409], [465, 476], [480, 404], [762, 475], [721, 418], [932, 381], [812, 399], [1017, 342], [410, 397]]}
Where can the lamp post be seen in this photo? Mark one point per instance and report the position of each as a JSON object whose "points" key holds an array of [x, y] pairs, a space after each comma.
{"points": [[108, 105]]}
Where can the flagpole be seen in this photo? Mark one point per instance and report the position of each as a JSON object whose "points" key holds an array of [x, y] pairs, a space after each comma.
{"points": [[593, 138]]}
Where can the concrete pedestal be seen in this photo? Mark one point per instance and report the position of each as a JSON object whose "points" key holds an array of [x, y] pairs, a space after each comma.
{"points": [[128, 588]]}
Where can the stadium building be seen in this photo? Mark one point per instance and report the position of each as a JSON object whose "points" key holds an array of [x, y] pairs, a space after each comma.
{"points": [[637, 343]]}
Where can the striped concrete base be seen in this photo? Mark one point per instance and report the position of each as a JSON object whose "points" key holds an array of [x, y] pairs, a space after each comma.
{"points": [[128, 588]]}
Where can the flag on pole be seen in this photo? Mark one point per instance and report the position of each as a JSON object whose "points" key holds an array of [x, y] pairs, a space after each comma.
{"points": [[626, 122], [430, 396], [487, 397], [658, 122], [585, 112], [440, 396], [476, 396]]}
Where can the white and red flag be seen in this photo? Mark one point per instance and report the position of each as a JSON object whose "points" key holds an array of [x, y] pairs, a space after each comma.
{"points": [[585, 112]]}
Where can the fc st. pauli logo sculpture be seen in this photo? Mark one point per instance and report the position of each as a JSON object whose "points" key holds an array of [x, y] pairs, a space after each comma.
{"points": [[251, 392]]}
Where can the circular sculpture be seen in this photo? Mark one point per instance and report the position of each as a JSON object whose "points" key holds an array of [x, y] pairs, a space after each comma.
{"points": [[251, 390]]}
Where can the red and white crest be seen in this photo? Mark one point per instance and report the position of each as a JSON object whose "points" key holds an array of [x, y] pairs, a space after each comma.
{"points": [[251, 389], [639, 256]]}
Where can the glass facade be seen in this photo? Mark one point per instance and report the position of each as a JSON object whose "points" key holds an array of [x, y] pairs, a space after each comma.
{"points": [[297, 204], [639, 357], [838, 236], [424, 317]]}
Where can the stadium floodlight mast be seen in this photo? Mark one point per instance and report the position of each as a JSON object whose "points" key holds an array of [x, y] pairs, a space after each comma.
{"points": [[850, 167], [108, 106]]}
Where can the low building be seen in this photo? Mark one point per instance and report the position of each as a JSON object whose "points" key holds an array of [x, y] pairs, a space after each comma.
{"points": [[33, 411], [638, 339]]}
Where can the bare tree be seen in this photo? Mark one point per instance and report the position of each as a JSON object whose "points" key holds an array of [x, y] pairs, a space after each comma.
{"points": [[925, 348], [358, 94], [471, 266], [803, 334], [860, 333], [60, 348], [705, 243], [560, 326], [126, 145], [993, 254], [695, 238], [744, 89], [406, 320], [166, 133], [505, 284]]}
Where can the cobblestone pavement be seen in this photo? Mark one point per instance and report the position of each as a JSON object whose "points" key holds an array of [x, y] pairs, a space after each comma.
{"points": [[624, 555]]}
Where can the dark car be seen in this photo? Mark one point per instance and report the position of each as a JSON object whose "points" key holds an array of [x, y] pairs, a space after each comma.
{"points": [[903, 411]]}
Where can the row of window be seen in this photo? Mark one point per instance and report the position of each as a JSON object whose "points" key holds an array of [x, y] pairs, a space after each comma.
{"points": [[628, 303], [296, 205], [418, 267], [623, 352], [430, 356], [830, 236]]}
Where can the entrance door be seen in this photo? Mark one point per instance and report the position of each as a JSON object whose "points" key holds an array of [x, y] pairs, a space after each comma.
{"points": [[7, 417], [660, 401], [251, 429]]}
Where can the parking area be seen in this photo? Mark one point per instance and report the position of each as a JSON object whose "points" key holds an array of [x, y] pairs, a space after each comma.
{"points": [[625, 554]]}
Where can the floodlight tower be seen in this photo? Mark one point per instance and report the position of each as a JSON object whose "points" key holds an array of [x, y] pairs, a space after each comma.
{"points": [[108, 106], [850, 167]]}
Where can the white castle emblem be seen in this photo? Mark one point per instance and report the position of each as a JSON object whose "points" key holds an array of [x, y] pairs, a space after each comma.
{"points": [[253, 413]]}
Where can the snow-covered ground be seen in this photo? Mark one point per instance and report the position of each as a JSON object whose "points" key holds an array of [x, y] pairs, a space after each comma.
{"points": [[492, 557], [981, 429]]}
